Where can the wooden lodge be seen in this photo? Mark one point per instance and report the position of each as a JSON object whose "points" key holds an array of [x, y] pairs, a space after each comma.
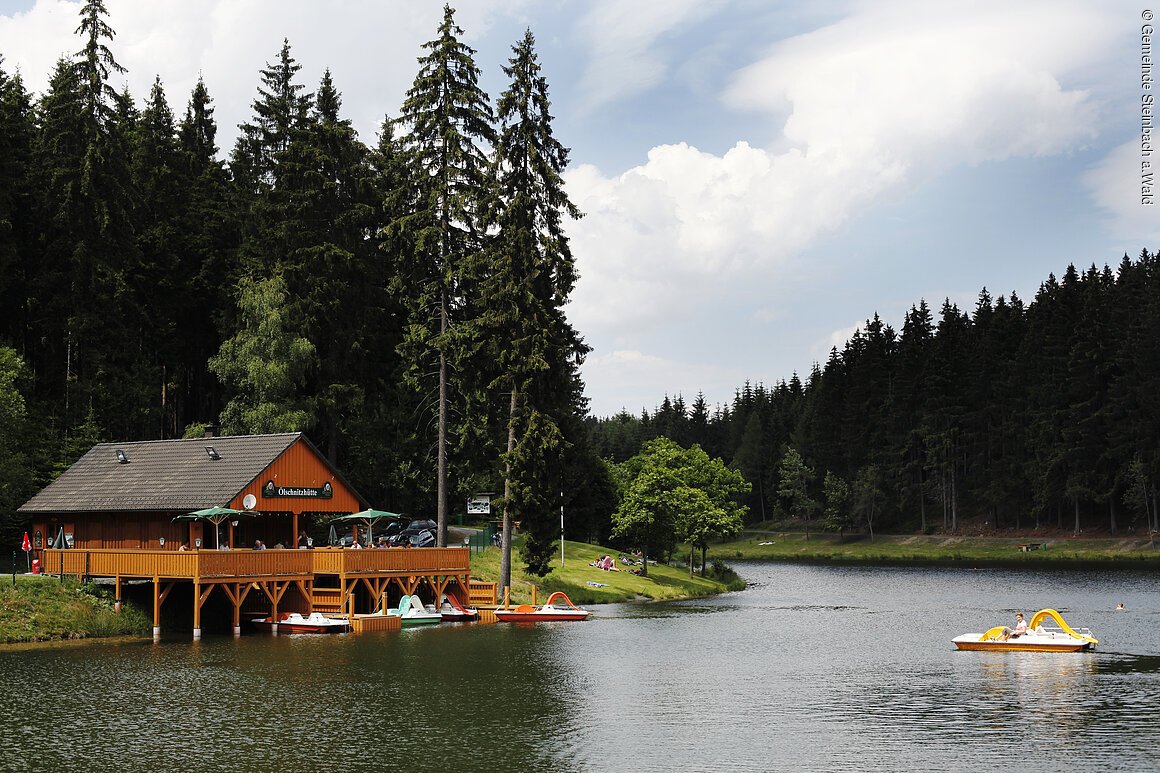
{"points": [[111, 515]]}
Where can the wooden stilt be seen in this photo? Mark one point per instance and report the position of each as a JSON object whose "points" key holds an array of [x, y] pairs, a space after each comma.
{"points": [[117, 594], [196, 611], [156, 608]]}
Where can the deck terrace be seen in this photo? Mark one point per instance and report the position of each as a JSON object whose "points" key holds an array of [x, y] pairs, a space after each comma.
{"points": [[333, 580]]}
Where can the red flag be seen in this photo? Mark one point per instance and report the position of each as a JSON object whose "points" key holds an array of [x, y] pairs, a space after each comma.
{"points": [[26, 545]]}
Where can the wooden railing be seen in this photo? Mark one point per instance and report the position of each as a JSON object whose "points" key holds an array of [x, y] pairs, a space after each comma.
{"points": [[254, 563], [392, 560], [177, 564]]}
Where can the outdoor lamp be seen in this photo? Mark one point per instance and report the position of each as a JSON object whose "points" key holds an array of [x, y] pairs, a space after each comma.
{"points": [[234, 524], [162, 541], [197, 542]]}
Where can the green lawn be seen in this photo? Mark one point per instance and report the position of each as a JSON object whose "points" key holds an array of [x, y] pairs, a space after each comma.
{"points": [[938, 549], [42, 608], [663, 582]]}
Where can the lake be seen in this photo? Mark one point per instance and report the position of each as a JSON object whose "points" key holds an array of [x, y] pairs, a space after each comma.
{"points": [[810, 668]]}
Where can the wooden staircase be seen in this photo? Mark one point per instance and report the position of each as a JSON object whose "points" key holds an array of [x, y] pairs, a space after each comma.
{"points": [[328, 601]]}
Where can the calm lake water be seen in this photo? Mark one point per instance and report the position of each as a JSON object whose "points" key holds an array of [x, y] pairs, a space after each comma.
{"points": [[810, 668]]}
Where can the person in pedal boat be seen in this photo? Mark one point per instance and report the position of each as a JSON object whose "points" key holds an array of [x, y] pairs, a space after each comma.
{"points": [[1020, 628]]}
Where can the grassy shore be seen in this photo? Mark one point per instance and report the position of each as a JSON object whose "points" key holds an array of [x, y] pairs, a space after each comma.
{"points": [[941, 549], [574, 578], [44, 609]]}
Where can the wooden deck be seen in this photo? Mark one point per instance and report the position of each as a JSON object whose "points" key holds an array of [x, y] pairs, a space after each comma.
{"points": [[256, 564], [329, 580]]}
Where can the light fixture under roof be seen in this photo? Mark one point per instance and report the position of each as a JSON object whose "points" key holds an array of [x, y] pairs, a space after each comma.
{"points": [[213, 454], [122, 457]]}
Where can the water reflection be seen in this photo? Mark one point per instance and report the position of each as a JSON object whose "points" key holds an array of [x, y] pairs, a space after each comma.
{"points": [[810, 668]]}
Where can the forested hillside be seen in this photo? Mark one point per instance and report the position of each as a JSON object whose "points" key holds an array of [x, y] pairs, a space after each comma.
{"points": [[1007, 416], [401, 302]]}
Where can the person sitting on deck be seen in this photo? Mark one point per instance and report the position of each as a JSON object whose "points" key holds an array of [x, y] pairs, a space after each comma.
{"points": [[184, 546], [355, 545], [259, 545]]}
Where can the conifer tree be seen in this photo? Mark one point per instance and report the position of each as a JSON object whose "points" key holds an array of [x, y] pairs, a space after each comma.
{"points": [[207, 238], [525, 282], [89, 332], [163, 286], [449, 118], [18, 231], [256, 163], [329, 207]]}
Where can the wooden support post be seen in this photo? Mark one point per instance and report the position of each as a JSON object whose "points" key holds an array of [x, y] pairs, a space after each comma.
{"points": [[236, 595], [156, 608], [117, 594], [196, 610]]}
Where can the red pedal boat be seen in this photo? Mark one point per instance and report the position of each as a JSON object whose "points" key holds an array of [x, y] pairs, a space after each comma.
{"points": [[546, 613]]}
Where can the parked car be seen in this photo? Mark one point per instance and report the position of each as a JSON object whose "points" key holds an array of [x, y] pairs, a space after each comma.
{"points": [[418, 534], [424, 539], [383, 530]]}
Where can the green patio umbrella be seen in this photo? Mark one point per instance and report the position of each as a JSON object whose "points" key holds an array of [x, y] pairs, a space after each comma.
{"points": [[216, 516], [370, 518]]}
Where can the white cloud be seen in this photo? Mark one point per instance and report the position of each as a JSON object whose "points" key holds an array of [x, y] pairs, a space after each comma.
{"points": [[370, 46], [837, 339], [1116, 185], [633, 377], [878, 103], [623, 37]]}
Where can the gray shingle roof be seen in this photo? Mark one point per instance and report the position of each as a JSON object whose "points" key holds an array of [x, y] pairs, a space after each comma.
{"points": [[160, 475]]}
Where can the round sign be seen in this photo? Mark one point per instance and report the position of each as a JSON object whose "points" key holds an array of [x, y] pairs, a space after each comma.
{"points": [[248, 501]]}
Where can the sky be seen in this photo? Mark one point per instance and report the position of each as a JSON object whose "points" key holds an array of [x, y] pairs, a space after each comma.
{"points": [[757, 178]]}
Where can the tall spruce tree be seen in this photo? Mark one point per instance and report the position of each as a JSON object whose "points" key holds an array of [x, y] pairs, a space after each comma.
{"points": [[18, 231], [281, 110], [86, 312], [328, 200], [161, 284], [449, 118], [525, 282], [207, 239]]}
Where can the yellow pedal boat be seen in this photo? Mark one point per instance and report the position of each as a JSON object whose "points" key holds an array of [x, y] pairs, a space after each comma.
{"points": [[1060, 637]]}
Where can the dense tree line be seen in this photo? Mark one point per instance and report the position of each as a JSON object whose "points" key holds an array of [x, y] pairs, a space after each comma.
{"points": [[402, 303], [1007, 416]]}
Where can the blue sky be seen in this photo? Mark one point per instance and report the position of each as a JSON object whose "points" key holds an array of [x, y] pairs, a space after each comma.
{"points": [[758, 178]]}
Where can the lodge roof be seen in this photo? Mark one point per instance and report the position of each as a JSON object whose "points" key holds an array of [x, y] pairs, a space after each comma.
{"points": [[161, 474]]}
